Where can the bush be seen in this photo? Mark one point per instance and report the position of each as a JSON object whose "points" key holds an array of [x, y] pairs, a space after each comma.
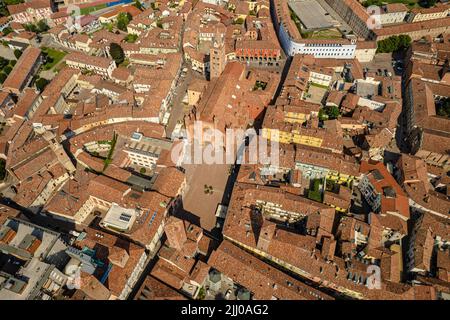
{"points": [[131, 38], [143, 171], [201, 294], [7, 31], [41, 83], [17, 53], [48, 62], [2, 77], [3, 62], [329, 113], [2, 169], [7, 69], [31, 27]]}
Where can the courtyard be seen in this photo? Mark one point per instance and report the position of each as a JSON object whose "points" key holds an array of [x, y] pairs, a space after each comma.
{"points": [[206, 186], [311, 14]]}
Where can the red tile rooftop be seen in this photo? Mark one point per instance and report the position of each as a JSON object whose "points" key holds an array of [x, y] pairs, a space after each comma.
{"points": [[35, 4], [21, 71], [83, 58]]}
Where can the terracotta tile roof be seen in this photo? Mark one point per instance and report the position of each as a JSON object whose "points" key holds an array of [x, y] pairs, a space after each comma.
{"points": [[169, 181], [397, 202], [22, 69], [79, 57], [412, 27], [153, 289], [121, 74], [35, 4], [395, 7], [263, 280], [168, 274], [104, 245]]}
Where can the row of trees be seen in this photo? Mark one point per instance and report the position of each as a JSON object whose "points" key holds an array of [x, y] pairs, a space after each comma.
{"points": [[411, 3], [394, 43], [6, 67], [3, 6]]}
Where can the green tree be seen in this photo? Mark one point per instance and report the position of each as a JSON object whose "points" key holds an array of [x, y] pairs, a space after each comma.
{"points": [[3, 62], [429, 3], [42, 26], [7, 69], [394, 43], [2, 77], [10, 2], [2, 169], [138, 4], [7, 30], [41, 83], [443, 108], [404, 41], [30, 27], [333, 112], [17, 53], [123, 19], [329, 113], [117, 53], [4, 10]]}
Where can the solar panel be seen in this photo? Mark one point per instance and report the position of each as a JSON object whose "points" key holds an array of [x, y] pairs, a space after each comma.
{"points": [[125, 217], [143, 218], [152, 218]]}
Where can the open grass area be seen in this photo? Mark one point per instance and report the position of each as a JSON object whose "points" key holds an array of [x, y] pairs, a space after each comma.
{"points": [[88, 10], [326, 34], [314, 192], [53, 57], [108, 159], [318, 85]]}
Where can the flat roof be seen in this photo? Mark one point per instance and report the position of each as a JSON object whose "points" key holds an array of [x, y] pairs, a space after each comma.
{"points": [[120, 218], [140, 182], [312, 15]]}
